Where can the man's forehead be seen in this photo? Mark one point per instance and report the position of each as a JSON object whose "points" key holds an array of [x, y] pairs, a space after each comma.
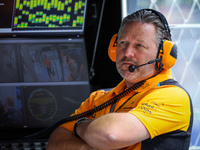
{"points": [[139, 30]]}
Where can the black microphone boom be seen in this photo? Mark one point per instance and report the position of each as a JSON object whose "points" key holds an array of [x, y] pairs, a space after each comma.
{"points": [[132, 68]]}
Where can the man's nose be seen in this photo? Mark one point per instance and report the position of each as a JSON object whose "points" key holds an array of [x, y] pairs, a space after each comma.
{"points": [[129, 51]]}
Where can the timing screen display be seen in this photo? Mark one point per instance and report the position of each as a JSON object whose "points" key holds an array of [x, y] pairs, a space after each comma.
{"points": [[42, 104], [48, 14]]}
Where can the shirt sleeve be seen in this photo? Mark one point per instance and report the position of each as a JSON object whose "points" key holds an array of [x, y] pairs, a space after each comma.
{"points": [[164, 110], [86, 105]]}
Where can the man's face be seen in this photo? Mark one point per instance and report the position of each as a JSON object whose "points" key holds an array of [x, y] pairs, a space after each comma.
{"points": [[136, 46]]}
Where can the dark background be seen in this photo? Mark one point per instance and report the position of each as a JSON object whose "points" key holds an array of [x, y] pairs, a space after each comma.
{"points": [[105, 73]]}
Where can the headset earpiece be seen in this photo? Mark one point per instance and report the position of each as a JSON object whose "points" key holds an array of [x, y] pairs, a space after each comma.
{"points": [[112, 49], [168, 53]]}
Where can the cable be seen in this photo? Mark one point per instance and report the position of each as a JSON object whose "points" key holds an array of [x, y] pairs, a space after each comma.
{"points": [[113, 100]]}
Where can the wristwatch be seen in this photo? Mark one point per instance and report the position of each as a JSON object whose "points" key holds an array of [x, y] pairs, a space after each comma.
{"points": [[81, 120]]}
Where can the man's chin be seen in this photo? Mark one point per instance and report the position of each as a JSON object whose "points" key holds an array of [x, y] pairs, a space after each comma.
{"points": [[128, 75]]}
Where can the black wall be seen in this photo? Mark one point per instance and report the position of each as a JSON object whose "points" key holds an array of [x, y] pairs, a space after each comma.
{"points": [[105, 73]]}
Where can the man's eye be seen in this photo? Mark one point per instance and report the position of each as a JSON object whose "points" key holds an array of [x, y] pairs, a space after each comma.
{"points": [[140, 45], [123, 42]]}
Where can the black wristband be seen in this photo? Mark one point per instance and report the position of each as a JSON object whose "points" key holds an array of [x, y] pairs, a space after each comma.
{"points": [[77, 123]]}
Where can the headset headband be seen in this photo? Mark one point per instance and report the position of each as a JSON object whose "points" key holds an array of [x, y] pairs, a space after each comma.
{"points": [[162, 18]]}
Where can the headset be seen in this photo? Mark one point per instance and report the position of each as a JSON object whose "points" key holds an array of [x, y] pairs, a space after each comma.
{"points": [[167, 50]]}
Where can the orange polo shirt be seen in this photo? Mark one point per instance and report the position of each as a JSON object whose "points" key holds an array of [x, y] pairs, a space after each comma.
{"points": [[160, 104]]}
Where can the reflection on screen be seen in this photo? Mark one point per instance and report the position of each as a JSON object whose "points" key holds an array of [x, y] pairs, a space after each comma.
{"points": [[10, 107], [39, 106], [43, 61], [44, 105], [8, 65], [41, 81]]}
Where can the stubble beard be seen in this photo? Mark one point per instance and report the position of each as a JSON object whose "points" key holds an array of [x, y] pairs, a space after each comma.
{"points": [[138, 75]]}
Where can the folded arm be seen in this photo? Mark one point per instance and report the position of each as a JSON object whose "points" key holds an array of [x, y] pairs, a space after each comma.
{"points": [[63, 139], [113, 131]]}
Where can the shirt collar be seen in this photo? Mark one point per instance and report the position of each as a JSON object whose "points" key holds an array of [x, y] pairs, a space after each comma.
{"points": [[162, 76]]}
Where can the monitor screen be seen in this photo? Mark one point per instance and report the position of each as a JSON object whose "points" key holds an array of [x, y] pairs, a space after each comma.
{"points": [[42, 17], [41, 81]]}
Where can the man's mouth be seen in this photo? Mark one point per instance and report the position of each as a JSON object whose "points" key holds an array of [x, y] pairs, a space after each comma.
{"points": [[128, 64]]}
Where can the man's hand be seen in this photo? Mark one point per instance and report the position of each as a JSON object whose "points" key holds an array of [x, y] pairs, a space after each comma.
{"points": [[62, 139]]}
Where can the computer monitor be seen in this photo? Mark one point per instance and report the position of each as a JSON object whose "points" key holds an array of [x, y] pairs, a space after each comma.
{"points": [[42, 17], [41, 82]]}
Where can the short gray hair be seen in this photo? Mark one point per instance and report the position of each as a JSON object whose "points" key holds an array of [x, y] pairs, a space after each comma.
{"points": [[148, 16]]}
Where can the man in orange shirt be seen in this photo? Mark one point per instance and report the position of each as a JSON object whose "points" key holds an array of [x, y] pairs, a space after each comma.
{"points": [[152, 111]]}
